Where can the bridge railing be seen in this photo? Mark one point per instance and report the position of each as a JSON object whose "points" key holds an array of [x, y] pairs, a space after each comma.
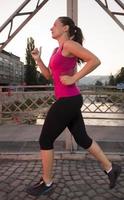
{"points": [[27, 104]]}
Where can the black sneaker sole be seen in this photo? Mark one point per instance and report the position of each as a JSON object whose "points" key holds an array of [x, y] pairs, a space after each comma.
{"points": [[39, 193]]}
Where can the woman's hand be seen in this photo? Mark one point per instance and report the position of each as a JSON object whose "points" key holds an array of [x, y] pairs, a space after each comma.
{"points": [[67, 80], [36, 54]]}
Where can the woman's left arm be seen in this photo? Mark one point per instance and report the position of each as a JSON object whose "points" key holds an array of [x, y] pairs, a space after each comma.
{"points": [[84, 54]]}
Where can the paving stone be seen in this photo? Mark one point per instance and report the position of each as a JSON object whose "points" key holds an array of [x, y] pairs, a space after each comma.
{"points": [[71, 195], [98, 198], [91, 193], [85, 181], [85, 198]]}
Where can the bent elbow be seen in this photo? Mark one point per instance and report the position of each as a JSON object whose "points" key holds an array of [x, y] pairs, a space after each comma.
{"points": [[98, 62]]}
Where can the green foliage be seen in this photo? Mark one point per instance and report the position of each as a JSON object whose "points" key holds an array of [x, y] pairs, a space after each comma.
{"points": [[32, 76], [98, 83], [30, 67], [30, 46], [111, 80], [43, 81], [119, 78]]}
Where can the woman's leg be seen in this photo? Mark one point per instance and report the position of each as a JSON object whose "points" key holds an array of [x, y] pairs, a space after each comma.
{"points": [[47, 157], [55, 122], [98, 153], [78, 130], [59, 115]]}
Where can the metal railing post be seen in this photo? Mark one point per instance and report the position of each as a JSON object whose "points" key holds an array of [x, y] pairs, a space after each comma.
{"points": [[72, 11]]}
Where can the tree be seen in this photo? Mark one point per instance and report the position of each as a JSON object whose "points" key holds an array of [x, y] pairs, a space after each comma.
{"points": [[31, 71], [32, 76], [111, 80], [120, 76], [98, 83], [30, 46], [42, 80]]}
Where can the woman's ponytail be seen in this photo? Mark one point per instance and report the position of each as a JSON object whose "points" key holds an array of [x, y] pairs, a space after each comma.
{"points": [[78, 36]]}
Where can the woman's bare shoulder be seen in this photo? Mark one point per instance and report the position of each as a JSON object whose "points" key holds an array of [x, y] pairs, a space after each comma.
{"points": [[71, 44]]}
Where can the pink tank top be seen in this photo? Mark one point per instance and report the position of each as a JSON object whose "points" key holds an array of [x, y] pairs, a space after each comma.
{"points": [[62, 65]]}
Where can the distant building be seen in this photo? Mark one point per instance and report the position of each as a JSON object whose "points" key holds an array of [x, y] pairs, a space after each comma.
{"points": [[11, 69]]}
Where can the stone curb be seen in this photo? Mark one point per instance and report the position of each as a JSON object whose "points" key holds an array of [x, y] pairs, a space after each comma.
{"points": [[58, 155]]}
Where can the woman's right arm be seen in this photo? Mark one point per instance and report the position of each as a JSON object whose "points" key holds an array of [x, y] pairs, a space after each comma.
{"points": [[45, 70]]}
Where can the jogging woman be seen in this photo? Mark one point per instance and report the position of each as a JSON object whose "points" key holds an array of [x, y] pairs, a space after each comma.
{"points": [[66, 111]]}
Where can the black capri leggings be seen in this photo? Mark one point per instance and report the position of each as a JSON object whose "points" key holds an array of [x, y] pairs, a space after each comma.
{"points": [[65, 112]]}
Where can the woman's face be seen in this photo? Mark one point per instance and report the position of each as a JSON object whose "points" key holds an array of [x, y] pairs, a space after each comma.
{"points": [[58, 29]]}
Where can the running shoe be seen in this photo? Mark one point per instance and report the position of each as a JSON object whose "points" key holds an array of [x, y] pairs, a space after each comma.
{"points": [[39, 188], [113, 175]]}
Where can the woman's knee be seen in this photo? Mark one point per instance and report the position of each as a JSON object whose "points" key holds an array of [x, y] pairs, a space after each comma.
{"points": [[45, 143], [85, 142]]}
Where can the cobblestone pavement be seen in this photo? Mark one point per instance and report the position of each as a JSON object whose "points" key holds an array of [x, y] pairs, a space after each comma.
{"points": [[73, 180]]}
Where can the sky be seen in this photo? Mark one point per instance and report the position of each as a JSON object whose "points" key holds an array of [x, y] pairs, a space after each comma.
{"points": [[102, 35]]}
